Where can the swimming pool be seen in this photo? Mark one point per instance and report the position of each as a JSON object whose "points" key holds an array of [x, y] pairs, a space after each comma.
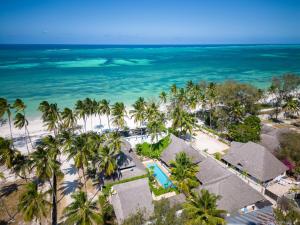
{"points": [[160, 176]]}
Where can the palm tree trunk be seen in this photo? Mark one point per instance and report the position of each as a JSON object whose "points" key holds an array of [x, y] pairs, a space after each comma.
{"points": [[108, 122], [26, 128], [84, 120], [11, 136], [26, 141], [54, 199], [91, 121], [100, 120], [84, 180]]}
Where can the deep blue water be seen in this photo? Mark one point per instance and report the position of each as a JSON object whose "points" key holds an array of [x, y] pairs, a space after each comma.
{"points": [[65, 73]]}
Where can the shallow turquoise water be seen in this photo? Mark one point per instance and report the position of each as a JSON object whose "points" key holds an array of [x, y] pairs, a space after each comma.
{"points": [[66, 73]]}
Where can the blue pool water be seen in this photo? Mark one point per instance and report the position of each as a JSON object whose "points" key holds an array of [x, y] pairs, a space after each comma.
{"points": [[160, 176]]}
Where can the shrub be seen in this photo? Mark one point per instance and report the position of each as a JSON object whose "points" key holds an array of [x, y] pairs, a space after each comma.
{"points": [[218, 156], [153, 150], [247, 131]]}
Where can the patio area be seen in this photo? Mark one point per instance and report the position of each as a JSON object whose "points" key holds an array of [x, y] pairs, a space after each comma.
{"points": [[205, 142]]}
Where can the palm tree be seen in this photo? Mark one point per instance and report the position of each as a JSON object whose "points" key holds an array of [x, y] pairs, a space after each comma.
{"points": [[119, 113], [163, 97], [79, 151], [7, 153], [69, 118], [155, 127], [114, 142], [211, 94], [202, 209], [237, 112], [20, 122], [138, 111], [105, 109], [47, 167], [80, 109], [5, 107], [107, 160], [21, 166], [291, 106], [82, 211], [183, 172], [174, 90], [33, 204], [20, 107], [50, 116], [188, 123]]}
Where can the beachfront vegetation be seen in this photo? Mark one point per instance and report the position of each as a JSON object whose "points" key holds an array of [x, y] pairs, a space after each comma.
{"points": [[201, 208], [290, 151], [183, 173], [229, 109], [286, 212], [249, 130], [153, 150]]}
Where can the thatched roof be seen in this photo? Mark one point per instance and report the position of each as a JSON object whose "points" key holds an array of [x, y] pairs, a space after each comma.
{"points": [[210, 171], [235, 193], [255, 160], [179, 145], [130, 197]]}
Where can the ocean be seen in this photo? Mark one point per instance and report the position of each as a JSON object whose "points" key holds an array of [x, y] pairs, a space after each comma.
{"points": [[66, 73]]}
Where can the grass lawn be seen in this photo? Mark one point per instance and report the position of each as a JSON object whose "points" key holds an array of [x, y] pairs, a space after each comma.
{"points": [[153, 150]]}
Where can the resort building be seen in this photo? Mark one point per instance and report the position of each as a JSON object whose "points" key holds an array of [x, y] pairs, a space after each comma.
{"points": [[255, 161], [128, 198], [176, 146], [236, 195]]}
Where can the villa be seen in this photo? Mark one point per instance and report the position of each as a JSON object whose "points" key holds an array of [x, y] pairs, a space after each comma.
{"points": [[256, 161], [236, 195], [179, 145], [128, 198]]}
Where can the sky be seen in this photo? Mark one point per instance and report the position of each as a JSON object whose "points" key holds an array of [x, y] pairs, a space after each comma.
{"points": [[149, 21]]}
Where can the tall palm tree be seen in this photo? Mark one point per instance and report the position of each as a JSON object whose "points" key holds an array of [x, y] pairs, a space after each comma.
{"points": [[106, 160], [82, 211], [20, 122], [5, 107], [138, 112], [80, 109], [291, 106], [183, 172], [237, 111], [47, 167], [33, 204], [173, 90], [105, 109], [202, 209], [163, 97], [211, 94], [21, 166], [155, 127], [69, 118], [51, 116], [7, 153], [152, 111], [119, 113], [20, 106], [79, 151], [188, 123], [114, 142]]}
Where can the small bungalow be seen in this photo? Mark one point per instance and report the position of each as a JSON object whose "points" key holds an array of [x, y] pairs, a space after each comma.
{"points": [[128, 198], [236, 195], [179, 145], [255, 160]]}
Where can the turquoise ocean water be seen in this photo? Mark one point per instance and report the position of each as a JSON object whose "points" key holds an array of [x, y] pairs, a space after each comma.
{"points": [[64, 73]]}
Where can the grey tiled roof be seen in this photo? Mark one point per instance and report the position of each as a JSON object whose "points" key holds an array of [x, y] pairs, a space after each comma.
{"points": [[129, 197], [235, 193], [179, 145], [210, 171], [255, 160]]}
